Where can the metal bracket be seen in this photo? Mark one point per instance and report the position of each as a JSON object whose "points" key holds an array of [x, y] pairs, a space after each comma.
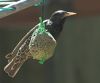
{"points": [[8, 7]]}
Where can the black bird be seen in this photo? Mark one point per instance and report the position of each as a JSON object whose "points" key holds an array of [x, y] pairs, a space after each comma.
{"points": [[36, 45]]}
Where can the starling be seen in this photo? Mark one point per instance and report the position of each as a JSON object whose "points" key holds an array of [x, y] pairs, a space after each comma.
{"points": [[38, 43]]}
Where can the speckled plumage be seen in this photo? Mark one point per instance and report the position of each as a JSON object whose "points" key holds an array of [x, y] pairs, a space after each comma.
{"points": [[37, 46]]}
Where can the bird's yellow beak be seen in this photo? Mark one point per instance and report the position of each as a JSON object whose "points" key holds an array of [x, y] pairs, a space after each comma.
{"points": [[69, 14]]}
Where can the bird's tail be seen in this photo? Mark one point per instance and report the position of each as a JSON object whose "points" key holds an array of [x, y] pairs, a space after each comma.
{"points": [[14, 65]]}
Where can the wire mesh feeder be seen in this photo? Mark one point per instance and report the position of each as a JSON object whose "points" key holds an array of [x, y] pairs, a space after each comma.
{"points": [[40, 30]]}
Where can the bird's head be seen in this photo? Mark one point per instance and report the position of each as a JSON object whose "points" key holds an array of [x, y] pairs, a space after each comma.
{"points": [[57, 20], [59, 16]]}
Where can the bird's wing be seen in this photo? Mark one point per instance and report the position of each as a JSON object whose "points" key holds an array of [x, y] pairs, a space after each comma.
{"points": [[22, 55], [11, 55]]}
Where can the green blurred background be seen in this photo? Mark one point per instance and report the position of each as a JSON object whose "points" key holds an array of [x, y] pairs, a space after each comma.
{"points": [[77, 56]]}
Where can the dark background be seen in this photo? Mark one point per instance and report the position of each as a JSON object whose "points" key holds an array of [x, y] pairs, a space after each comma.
{"points": [[77, 56]]}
